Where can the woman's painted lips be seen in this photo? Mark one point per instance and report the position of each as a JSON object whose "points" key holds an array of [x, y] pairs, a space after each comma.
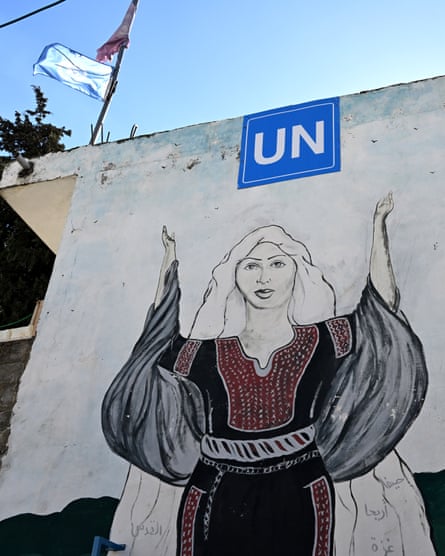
{"points": [[264, 294]]}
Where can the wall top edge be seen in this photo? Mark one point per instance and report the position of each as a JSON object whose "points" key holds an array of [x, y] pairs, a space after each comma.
{"points": [[76, 160]]}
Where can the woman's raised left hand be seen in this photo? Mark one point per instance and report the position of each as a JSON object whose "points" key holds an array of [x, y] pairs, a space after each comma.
{"points": [[384, 206]]}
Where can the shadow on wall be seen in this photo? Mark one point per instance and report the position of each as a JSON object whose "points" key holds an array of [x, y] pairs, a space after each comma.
{"points": [[67, 533], [13, 358]]}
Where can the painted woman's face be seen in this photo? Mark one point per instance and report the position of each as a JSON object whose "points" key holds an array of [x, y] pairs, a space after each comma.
{"points": [[266, 277]]}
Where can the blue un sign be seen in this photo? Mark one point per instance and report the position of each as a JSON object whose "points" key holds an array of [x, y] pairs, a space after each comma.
{"points": [[291, 142]]}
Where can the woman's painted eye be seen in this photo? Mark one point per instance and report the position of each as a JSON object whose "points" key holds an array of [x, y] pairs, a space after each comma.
{"points": [[277, 264], [250, 266]]}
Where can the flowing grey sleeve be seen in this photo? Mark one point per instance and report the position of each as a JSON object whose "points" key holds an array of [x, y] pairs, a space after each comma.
{"points": [[151, 418], [376, 393]]}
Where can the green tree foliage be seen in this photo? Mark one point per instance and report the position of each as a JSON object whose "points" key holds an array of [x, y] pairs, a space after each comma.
{"points": [[28, 134], [25, 268], [25, 261]]}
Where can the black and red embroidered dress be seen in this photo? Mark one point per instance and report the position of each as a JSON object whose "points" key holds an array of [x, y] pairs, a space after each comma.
{"points": [[246, 441], [270, 492]]}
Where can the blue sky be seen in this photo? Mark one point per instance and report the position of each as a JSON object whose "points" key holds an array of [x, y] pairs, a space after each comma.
{"points": [[198, 61]]}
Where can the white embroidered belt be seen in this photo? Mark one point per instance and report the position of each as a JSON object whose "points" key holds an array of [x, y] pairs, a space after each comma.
{"points": [[260, 470], [258, 449]]}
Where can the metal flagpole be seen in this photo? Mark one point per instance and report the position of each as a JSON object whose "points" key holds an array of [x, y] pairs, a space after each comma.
{"points": [[112, 85], [111, 89]]}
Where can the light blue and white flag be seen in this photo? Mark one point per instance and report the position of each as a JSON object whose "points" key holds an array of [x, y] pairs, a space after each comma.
{"points": [[75, 70]]}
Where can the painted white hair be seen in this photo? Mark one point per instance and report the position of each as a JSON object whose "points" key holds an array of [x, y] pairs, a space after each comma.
{"points": [[222, 312]]}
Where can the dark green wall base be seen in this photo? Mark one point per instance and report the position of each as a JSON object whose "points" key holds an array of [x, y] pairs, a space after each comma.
{"points": [[66, 533], [432, 487]]}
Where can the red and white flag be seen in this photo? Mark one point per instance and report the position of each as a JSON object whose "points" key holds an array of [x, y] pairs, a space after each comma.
{"points": [[121, 37]]}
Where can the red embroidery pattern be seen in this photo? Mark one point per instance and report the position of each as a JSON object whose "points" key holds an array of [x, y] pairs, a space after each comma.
{"points": [[341, 334], [264, 402], [323, 517], [186, 356], [188, 520]]}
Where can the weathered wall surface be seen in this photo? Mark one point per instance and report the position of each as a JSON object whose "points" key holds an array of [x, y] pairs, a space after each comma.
{"points": [[106, 273]]}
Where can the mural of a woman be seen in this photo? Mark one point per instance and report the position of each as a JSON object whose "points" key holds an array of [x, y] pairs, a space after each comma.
{"points": [[271, 397]]}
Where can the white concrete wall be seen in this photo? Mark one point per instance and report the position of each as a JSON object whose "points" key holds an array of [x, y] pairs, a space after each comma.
{"points": [[107, 266]]}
